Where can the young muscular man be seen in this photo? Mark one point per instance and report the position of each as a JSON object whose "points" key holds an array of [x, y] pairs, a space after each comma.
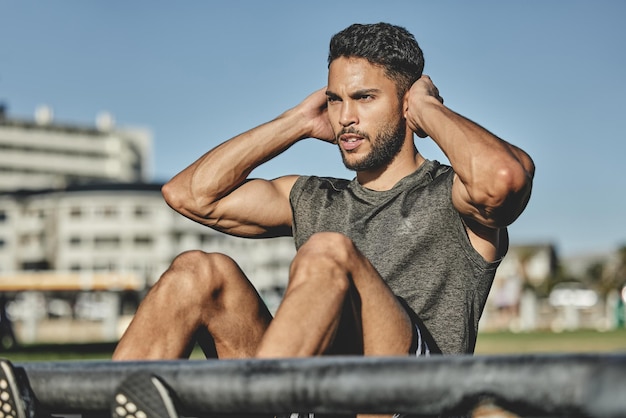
{"points": [[399, 260]]}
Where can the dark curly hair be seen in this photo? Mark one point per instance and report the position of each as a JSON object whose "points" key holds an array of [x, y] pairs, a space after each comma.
{"points": [[389, 46]]}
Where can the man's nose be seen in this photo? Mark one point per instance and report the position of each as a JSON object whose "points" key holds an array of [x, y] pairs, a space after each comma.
{"points": [[348, 114]]}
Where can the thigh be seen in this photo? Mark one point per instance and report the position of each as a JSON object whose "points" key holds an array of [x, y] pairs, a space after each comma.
{"points": [[232, 311], [201, 295], [349, 336], [371, 308], [386, 326]]}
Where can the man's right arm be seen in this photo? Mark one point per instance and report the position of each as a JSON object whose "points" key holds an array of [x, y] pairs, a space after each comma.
{"points": [[215, 189]]}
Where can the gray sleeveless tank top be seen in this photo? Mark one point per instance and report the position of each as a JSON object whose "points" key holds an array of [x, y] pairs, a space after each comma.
{"points": [[416, 240]]}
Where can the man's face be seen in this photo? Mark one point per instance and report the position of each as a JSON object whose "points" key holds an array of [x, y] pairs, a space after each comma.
{"points": [[365, 112]]}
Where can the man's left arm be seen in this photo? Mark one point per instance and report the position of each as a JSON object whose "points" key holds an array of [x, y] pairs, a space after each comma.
{"points": [[493, 178]]}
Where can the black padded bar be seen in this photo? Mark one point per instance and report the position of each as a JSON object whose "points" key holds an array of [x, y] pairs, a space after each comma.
{"points": [[530, 385]]}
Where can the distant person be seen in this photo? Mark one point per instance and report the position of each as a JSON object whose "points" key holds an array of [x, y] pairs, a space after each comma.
{"points": [[397, 261]]}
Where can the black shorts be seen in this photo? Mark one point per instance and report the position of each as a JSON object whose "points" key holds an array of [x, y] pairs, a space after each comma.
{"points": [[423, 343]]}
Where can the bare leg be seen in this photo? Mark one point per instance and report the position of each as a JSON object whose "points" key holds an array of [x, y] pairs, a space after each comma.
{"points": [[334, 296], [328, 271], [198, 292]]}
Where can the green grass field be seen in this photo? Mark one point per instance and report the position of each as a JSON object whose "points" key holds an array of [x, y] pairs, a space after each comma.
{"points": [[488, 344], [549, 342]]}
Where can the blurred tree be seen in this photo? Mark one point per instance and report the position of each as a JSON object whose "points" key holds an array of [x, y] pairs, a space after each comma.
{"points": [[620, 273], [609, 276], [596, 277]]}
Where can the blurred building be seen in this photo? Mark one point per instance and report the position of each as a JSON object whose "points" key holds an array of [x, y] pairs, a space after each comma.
{"points": [[117, 228], [513, 302], [534, 290], [41, 153], [79, 219]]}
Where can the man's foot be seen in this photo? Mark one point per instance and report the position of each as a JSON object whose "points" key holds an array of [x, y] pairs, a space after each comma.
{"points": [[143, 395], [11, 403]]}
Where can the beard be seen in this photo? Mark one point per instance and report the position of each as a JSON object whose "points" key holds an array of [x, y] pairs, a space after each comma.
{"points": [[384, 149]]}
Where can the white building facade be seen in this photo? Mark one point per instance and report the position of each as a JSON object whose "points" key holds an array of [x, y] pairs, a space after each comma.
{"points": [[37, 154], [126, 228], [78, 213]]}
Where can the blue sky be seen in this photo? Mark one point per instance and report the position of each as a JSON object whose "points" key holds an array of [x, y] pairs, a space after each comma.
{"points": [[548, 76]]}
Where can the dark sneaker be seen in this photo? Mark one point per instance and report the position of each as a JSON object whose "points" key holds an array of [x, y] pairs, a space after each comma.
{"points": [[143, 395], [11, 402]]}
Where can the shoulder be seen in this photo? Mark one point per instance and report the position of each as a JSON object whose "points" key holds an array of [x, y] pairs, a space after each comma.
{"points": [[314, 183], [434, 178], [441, 171], [309, 191]]}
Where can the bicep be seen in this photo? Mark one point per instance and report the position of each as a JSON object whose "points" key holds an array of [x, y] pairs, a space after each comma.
{"points": [[257, 208], [465, 205], [490, 241], [493, 207]]}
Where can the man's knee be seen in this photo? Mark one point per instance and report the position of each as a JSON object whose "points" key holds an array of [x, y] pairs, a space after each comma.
{"points": [[324, 259], [201, 264], [332, 245], [198, 273]]}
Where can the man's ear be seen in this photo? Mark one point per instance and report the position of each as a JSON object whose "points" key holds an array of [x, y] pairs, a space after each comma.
{"points": [[405, 103]]}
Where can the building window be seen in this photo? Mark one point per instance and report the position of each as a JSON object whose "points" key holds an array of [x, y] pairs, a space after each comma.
{"points": [[105, 266], [76, 212], [35, 265], [75, 241], [107, 212], [107, 242], [141, 212], [3, 216], [143, 241]]}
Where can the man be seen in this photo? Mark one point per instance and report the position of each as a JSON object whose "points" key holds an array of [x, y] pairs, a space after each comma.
{"points": [[399, 260]]}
